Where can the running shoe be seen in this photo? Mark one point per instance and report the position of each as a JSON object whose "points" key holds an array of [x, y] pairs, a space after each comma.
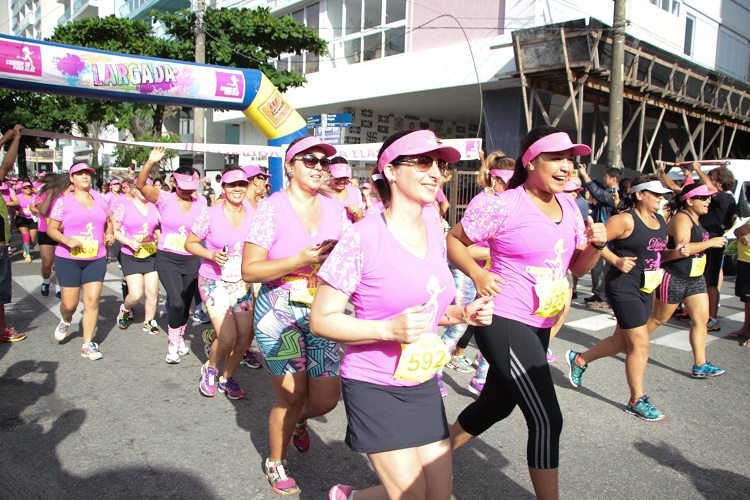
{"points": [[200, 316], [707, 370], [681, 315], [592, 298], [713, 325], [61, 331], [476, 385], [11, 335], [231, 388], [301, 438], [45, 289], [441, 385], [91, 351], [280, 482], [644, 410], [551, 358], [208, 338], [340, 492], [460, 364], [151, 327], [182, 348], [124, 318], [575, 371], [250, 359], [26, 258], [601, 305], [58, 294], [208, 381], [172, 357]]}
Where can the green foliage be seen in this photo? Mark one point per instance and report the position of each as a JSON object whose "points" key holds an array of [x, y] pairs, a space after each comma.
{"points": [[32, 110], [125, 156]]}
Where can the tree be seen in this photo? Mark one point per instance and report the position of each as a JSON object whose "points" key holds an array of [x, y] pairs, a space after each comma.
{"points": [[125, 156]]}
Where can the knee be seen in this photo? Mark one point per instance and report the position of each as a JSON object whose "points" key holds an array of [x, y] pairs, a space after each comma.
{"points": [[294, 398], [176, 305]]}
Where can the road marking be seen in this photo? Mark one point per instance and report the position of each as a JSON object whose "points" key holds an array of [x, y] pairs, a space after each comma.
{"points": [[681, 338], [593, 323]]}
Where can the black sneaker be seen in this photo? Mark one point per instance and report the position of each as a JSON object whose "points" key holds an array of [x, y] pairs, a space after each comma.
{"points": [[45, 289], [124, 319], [58, 294], [593, 298]]}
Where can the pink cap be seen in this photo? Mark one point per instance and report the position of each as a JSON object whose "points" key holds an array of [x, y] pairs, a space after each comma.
{"points": [[340, 170], [309, 143], [186, 182], [503, 173], [41, 174], [553, 143], [572, 186], [81, 167], [234, 176], [114, 181], [254, 171], [421, 141], [701, 190]]}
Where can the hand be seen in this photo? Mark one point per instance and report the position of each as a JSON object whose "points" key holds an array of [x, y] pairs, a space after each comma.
{"points": [[220, 257], [625, 264], [157, 154], [487, 283], [18, 129], [583, 172], [660, 168], [74, 243], [684, 251], [479, 312], [134, 245], [596, 233], [695, 166], [317, 254], [718, 242], [408, 326], [744, 239], [109, 240]]}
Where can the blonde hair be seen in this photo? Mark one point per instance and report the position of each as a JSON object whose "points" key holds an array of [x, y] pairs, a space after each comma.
{"points": [[496, 159]]}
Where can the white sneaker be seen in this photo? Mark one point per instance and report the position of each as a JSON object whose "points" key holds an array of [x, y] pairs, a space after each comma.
{"points": [[713, 324], [182, 349], [172, 356], [62, 331], [91, 351]]}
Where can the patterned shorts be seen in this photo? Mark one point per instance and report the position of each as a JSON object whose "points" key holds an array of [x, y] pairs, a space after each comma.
{"points": [[222, 298], [282, 330]]}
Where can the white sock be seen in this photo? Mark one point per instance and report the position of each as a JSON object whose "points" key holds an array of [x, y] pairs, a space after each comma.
{"points": [[45, 281]]}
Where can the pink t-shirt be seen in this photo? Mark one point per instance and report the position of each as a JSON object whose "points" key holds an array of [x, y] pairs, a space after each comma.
{"points": [[175, 223], [134, 224], [441, 196], [376, 206], [24, 205], [277, 228], [383, 278], [530, 251], [84, 224], [215, 229]]}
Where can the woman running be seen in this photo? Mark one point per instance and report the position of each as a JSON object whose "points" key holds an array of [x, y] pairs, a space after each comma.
{"points": [[54, 186], [638, 236], [291, 235], [393, 267], [177, 268], [340, 189], [528, 282], [79, 221], [222, 228], [683, 276], [26, 221], [136, 223]]}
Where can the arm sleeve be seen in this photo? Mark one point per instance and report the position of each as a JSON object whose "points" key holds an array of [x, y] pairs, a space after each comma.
{"points": [[343, 267]]}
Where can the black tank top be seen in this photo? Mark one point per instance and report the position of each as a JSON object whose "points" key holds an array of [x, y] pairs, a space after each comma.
{"points": [[681, 267], [646, 245]]}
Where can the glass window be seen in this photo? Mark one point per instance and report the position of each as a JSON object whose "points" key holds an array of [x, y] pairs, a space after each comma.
{"points": [[299, 16], [353, 11], [372, 46], [689, 33], [395, 10], [333, 10], [351, 51], [296, 63], [373, 13], [394, 41], [313, 16], [665, 5], [675, 7], [312, 63]]}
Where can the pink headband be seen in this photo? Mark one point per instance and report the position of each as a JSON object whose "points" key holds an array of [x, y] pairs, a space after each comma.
{"points": [[699, 191], [421, 141], [504, 174], [553, 143], [234, 176], [253, 171], [308, 143]]}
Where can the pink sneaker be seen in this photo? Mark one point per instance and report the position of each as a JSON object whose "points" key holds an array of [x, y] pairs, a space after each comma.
{"points": [[340, 492], [208, 382], [301, 438], [551, 358], [476, 385]]}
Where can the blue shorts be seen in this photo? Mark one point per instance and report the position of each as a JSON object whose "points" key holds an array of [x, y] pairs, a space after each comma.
{"points": [[72, 273]]}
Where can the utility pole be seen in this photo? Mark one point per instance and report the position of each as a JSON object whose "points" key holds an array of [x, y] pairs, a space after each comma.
{"points": [[616, 82], [199, 114]]}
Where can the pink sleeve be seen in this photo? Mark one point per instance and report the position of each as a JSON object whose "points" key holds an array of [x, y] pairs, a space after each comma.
{"points": [[484, 217], [441, 196], [200, 226], [343, 267], [263, 228], [57, 210], [581, 239], [163, 198], [118, 212]]}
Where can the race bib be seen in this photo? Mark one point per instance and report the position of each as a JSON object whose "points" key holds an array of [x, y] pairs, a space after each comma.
{"points": [[147, 249], [301, 293], [698, 266], [552, 296], [175, 241], [652, 279], [88, 250], [231, 272], [420, 360]]}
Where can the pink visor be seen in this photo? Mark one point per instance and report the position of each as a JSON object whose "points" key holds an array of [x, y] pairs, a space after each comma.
{"points": [[26, 184], [254, 171], [186, 182], [366, 185], [234, 176], [308, 143], [41, 175], [339, 170], [421, 141], [572, 186], [114, 181], [504, 174], [699, 191], [80, 167], [553, 143]]}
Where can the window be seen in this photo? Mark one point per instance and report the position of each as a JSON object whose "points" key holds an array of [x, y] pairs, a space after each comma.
{"points": [[672, 6], [305, 62], [689, 35]]}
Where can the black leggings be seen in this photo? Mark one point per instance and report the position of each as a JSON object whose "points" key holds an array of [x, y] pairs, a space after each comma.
{"points": [[519, 376], [180, 290], [468, 334]]}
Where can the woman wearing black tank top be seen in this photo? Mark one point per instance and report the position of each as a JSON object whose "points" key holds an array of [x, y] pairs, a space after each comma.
{"points": [[637, 236], [683, 273]]}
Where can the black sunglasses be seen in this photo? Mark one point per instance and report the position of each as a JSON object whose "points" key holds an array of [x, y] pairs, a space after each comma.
{"points": [[701, 198], [424, 163], [311, 161]]}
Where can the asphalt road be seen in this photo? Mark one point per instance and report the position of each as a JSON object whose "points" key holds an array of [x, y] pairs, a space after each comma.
{"points": [[131, 426]]}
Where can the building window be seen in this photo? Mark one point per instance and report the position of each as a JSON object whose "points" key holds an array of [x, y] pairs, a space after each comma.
{"points": [[672, 6], [305, 62], [689, 35]]}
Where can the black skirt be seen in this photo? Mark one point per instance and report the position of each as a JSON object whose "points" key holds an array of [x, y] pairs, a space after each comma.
{"points": [[131, 265]]}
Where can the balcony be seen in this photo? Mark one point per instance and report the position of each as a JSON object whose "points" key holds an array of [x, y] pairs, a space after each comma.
{"points": [[83, 9], [139, 9]]}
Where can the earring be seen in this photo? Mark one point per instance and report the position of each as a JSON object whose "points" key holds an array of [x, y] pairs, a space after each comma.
{"points": [[290, 173]]}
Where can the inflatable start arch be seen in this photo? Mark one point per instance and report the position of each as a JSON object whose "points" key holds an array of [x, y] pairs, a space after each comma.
{"points": [[37, 66]]}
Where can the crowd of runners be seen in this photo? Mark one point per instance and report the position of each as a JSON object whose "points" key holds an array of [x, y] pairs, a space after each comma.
{"points": [[280, 272]]}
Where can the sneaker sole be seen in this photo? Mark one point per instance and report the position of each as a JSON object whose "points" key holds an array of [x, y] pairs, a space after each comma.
{"points": [[629, 412], [704, 375], [13, 339], [171, 361], [459, 370], [570, 369], [90, 358]]}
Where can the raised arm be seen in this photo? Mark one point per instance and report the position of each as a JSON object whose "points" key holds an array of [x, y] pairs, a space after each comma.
{"points": [[151, 193]]}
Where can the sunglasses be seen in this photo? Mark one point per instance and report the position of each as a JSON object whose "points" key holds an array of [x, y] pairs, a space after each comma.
{"points": [[311, 161], [701, 198], [424, 163]]}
